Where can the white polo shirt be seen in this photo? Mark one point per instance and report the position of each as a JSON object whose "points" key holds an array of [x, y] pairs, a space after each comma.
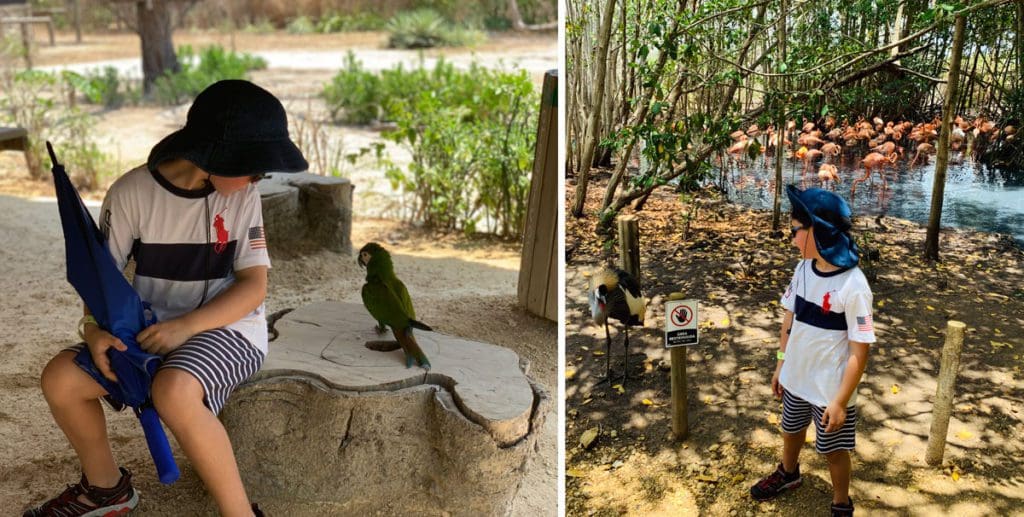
{"points": [[184, 243], [829, 310]]}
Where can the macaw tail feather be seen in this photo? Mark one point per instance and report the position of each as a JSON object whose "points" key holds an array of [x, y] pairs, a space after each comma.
{"points": [[411, 348], [419, 325]]}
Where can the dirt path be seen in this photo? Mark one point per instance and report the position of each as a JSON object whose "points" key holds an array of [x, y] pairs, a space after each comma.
{"points": [[729, 262]]}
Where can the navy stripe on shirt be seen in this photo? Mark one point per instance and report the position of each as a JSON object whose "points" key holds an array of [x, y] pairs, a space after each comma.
{"points": [[183, 262], [813, 315]]}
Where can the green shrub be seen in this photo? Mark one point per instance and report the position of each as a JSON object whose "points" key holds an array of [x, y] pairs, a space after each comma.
{"points": [[353, 95], [471, 135], [301, 25], [425, 28], [214, 64], [37, 102], [359, 21], [99, 87]]}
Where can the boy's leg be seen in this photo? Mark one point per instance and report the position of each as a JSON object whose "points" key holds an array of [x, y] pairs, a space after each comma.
{"points": [[178, 397], [73, 398], [791, 445], [839, 467]]}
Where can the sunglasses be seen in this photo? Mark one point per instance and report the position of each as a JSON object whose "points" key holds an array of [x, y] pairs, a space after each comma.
{"points": [[794, 229]]}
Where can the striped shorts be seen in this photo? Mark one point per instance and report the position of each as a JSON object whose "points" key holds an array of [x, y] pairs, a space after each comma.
{"points": [[797, 414], [220, 359]]}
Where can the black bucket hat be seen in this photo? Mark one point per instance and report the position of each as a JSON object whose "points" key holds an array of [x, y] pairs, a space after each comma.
{"points": [[234, 128], [829, 215]]}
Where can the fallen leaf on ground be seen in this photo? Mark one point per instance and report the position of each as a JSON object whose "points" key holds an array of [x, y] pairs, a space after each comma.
{"points": [[619, 388], [965, 435], [895, 389], [773, 419], [588, 437], [569, 374], [647, 402], [598, 353], [574, 473]]}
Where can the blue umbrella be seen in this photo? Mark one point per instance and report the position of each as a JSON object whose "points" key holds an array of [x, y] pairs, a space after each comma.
{"points": [[118, 310]]}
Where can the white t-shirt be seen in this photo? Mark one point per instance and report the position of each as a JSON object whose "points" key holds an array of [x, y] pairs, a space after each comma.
{"points": [[184, 243], [829, 310]]}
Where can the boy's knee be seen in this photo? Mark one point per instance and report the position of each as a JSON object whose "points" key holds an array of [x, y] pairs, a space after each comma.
{"points": [[174, 390], [57, 379]]}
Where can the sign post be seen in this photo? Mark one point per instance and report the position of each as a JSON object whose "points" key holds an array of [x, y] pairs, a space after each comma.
{"points": [[680, 332]]}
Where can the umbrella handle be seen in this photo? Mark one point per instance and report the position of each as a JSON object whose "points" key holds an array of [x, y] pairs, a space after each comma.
{"points": [[159, 448]]}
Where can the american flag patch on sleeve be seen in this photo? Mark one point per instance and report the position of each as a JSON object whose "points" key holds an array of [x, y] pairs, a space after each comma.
{"points": [[864, 324], [257, 241]]}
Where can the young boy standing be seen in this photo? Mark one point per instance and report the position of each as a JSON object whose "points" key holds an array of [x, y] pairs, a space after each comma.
{"points": [[823, 346], [191, 219]]}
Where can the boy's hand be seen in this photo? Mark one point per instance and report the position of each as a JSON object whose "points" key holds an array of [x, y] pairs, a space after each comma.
{"points": [[99, 341], [776, 386], [162, 337], [833, 418]]}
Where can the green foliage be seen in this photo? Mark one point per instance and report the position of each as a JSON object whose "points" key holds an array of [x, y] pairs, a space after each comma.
{"points": [[102, 87], [470, 133], [359, 21], [214, 64], [425, 28], [36, 101], [354, 95], [301, 25]]}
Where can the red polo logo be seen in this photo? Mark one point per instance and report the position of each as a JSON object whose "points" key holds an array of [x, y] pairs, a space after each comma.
{"points": [[222, 234]]}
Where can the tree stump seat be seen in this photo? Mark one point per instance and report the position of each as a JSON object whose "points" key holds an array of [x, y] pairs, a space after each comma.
{"points": [[305, 212], [334, 422], [13, 139]]}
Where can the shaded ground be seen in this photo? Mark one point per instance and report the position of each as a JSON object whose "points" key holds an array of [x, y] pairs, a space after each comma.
{"points": [[734, 267], [457, 284]]}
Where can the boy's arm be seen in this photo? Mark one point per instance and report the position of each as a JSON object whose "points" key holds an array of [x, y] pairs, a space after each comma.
{"points": [[854, 369], [240, 298], [787, 325]]}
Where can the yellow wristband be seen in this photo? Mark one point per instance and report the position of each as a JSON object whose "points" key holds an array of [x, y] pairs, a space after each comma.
{"points": [[87, 319], [780, 355]]}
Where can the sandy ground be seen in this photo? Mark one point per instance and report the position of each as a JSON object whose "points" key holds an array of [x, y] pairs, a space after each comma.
{"points": [[458, 285], [726, 258]]}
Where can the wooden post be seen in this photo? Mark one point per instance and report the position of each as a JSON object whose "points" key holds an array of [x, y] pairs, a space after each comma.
{"points": [[680, 424], [76, 13], [26, 40], [629, 246], [944, 393]]}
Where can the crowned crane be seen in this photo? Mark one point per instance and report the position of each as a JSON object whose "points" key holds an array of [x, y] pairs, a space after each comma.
{"points": [[615, 294]]}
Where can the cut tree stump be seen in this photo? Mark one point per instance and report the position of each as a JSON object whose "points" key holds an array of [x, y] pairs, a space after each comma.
{"points": [[334, 422], [305, 212]]}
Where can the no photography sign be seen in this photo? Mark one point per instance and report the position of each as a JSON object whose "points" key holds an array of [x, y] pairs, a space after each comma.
{"points": [[681, 323]]}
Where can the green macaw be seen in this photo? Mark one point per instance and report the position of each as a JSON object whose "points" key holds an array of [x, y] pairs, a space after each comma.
{"points": [[387, 300]]}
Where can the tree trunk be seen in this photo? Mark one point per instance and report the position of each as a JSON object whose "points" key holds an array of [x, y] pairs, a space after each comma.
{"points": [[157, 48], [931, 244], [590, 137], [1019, 41], [781, 128]]}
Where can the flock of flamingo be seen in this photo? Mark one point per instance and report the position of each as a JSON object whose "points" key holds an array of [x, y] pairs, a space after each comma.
{"points": [[875, 144]]}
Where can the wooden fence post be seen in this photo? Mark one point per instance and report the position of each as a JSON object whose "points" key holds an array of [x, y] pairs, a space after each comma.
{"points": [[944, 392], [680, 424]]}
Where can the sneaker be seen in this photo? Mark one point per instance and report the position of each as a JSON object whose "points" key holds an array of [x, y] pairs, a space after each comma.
{"points": [[105, 502], [776, 483], [843, 510]]}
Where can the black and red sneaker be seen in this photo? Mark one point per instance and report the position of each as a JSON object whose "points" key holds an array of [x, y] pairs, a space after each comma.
{"points": [[843, 510], [103, 502], [776, 483]]}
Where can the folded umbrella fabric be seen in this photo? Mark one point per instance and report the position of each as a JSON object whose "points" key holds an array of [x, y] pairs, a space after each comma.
{"points": [[118, 310]]}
